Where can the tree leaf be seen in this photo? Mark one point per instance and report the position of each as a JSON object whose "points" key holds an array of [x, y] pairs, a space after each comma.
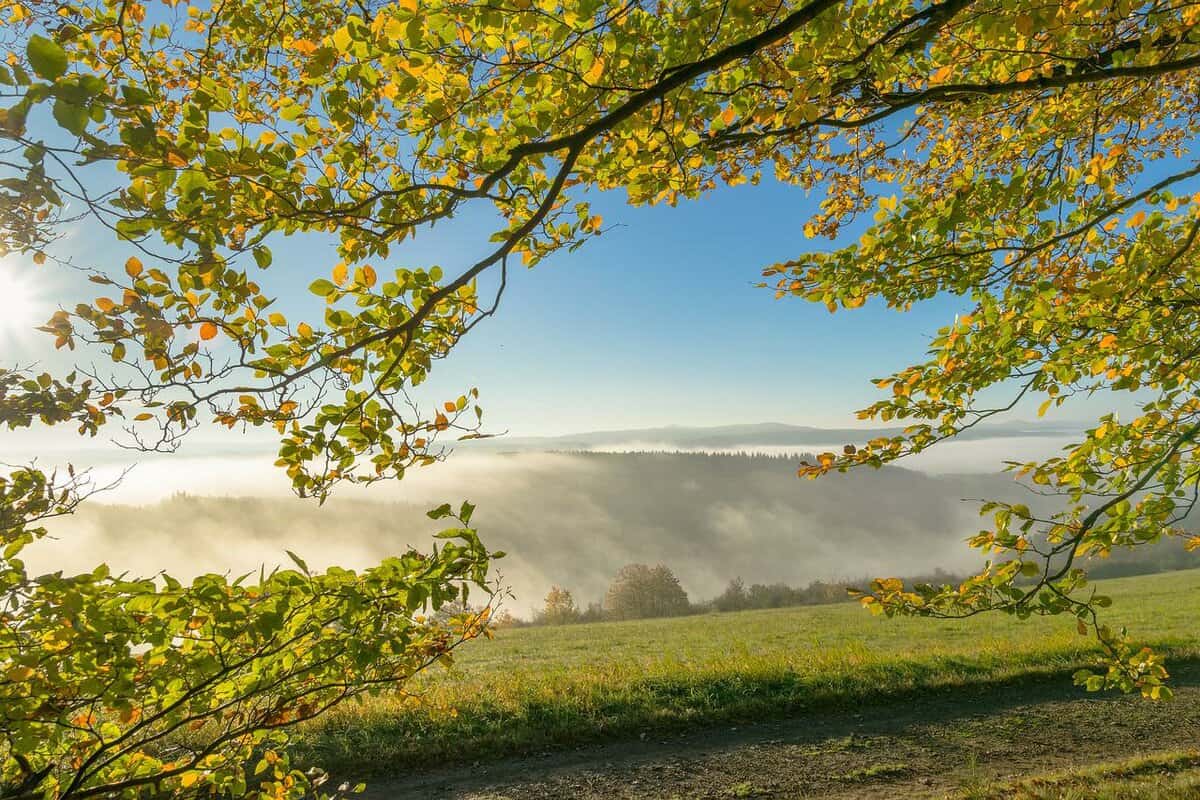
{"points": [[46, 57]]}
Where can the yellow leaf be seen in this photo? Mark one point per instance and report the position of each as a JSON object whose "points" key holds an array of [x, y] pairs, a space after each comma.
{"points": [[304, 330], [339, 273], [597, 70], [133, 267], [18, 674], [104, 304], [342, 40], [276, 318]]}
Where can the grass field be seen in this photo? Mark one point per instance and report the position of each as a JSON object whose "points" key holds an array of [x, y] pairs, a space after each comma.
{"points": [[539, 688], [1169, 776]]}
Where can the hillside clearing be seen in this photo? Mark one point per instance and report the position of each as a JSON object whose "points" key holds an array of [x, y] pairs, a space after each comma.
{"points": [[541, 689]]}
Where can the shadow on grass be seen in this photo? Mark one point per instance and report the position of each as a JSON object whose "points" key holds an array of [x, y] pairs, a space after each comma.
{"points": [[879, 699]]}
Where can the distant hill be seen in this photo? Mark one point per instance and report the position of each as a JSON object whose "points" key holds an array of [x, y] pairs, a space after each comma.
{"points": [[743, 437]]}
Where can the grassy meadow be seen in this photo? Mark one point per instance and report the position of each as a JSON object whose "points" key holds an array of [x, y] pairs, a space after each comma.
{"points": [[532, 689], [1167, 776]]}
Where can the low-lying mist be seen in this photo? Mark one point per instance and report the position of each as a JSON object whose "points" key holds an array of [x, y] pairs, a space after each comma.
{"points": [[567, 519]]}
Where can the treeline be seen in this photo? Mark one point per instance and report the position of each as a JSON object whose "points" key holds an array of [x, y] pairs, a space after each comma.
{"points": [[639, 591], [790, 457]]}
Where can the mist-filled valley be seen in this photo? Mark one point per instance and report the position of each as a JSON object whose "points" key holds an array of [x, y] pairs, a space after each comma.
{"points": [[571, 519]]}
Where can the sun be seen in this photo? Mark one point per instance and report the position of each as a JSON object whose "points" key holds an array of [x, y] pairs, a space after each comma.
{"points": [[20, 305]]}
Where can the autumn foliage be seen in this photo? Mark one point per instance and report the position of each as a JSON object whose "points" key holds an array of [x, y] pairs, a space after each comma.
{"points": [[1033, 159]]}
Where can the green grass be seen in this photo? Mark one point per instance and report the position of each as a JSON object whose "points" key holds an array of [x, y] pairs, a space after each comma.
{"points": [[1165, 776], [540, 688]]}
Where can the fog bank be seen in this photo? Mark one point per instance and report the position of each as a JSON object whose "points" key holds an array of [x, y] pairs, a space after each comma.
{"points": [[568, 519]]}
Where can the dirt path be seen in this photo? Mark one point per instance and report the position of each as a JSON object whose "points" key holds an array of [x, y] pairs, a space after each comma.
{"points": [[919, 748]]}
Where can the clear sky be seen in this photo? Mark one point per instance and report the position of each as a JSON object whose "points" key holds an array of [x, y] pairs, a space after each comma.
{"points": [[656, 322], [659, 322]]}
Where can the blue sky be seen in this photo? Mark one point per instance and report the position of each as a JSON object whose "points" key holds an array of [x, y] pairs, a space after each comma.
{"points": [[656, 322]]}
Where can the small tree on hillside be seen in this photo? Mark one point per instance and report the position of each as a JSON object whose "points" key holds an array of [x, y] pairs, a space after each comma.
{"points": [[560, 607], [640, 591], [734, 597]]}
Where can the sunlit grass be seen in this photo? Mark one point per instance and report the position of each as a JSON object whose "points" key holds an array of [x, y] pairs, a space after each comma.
{"points": [[1165, 776], [537, 688]]}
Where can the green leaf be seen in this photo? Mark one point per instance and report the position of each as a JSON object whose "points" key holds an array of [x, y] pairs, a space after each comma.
{"points": [[441, 511], [48, 60], [298, 561], [71, 117], [322, 287]]}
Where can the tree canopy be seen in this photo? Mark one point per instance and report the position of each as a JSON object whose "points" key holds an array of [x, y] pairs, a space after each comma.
{"points": [[559, 607], [639, 591], [1034, 158]]}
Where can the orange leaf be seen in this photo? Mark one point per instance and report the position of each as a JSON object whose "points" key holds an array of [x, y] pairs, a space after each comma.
{"points": [[133, 267], [207, 331], [597, 70]]}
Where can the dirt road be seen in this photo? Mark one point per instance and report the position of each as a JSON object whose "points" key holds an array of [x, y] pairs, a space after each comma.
{"points": [[927, 747]]}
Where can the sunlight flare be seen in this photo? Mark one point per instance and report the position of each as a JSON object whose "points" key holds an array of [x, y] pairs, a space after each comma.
{"points": [[20, 305]]}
